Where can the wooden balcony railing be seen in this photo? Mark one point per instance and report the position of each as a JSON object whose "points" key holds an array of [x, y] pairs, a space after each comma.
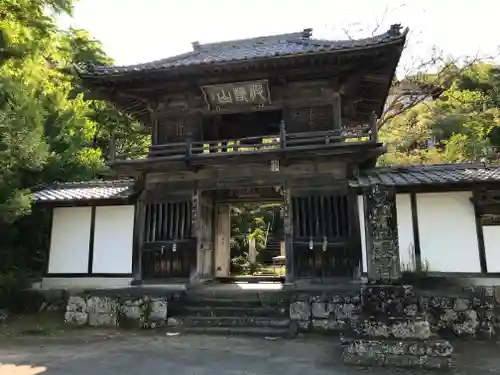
{"points": [[307, 141]]}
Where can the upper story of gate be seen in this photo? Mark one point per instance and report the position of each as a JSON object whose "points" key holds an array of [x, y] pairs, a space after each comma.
{"points": [[266, 97]]}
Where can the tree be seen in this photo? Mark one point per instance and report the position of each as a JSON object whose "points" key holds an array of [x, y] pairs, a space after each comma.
{"points": [[25, 27], [48, 130], [461, 125]]}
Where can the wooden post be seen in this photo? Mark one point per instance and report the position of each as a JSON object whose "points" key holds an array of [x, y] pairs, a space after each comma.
{"points": [[140, 217], [189, 147], [374, 127], [337, 111], [223, 239], [288, 234], [282, 134]]}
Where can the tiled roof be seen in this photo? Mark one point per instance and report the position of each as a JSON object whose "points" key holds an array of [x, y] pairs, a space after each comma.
{"points": [[85, 190], [419, 175], [261, 47]]}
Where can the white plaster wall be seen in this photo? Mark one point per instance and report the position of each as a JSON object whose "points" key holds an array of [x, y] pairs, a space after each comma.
{"points": [[70, 237], [491, 235], [113, 239], [405, 232], [447, 229], [362, 229]]}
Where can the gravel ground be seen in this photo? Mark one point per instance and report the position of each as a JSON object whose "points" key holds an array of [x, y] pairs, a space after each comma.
{"points": [[110, 353]]}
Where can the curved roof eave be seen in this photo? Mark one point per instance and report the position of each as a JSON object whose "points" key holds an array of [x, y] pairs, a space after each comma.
{"points": [[172, 64]]}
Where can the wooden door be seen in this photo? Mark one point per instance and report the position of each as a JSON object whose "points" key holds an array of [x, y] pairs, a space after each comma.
{"points": [[168, 249], [325, 237]]}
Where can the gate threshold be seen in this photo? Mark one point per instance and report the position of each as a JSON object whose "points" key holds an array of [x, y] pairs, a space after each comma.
{"points": [[250, 279]]}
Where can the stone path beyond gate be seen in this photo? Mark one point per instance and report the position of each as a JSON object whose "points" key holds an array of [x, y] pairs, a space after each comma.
{"points": [[136, 353]]}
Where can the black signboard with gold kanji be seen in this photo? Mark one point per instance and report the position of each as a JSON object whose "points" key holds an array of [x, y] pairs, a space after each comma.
{"points": [[229, 94]]}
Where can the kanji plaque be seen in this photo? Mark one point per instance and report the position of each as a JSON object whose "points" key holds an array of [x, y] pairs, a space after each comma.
{"points": [[254, 92]]}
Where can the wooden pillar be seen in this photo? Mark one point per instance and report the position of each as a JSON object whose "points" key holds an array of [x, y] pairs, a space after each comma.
{"points": [[222, 241], [288, 234], [337, 111], [374, 127], [382, 235], [139, 221], [203, 234], [153, 117]]}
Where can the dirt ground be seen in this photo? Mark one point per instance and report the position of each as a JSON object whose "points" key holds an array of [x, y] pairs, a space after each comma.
{"points": [[113, 353]]}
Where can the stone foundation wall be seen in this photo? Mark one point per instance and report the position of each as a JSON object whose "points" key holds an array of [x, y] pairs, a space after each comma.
{"points": [[427, 355], [111, 309], [398, 312]]}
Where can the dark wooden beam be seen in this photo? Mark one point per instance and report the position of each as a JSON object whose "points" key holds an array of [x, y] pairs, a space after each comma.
{"points": [[138, 239], [416, 231], [50, 211], [90, 263], [480, 234]]}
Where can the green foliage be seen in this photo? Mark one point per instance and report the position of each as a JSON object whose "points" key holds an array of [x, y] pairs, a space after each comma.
{"points": [[48, 131], [462, 125], [251, 221]]}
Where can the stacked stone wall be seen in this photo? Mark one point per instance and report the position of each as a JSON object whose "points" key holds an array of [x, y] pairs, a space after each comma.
{"points": [[398, 312]]}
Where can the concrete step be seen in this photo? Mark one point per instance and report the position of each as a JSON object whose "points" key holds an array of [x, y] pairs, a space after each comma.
{"points": [[232, 321], [235, 311], [268, 332]]}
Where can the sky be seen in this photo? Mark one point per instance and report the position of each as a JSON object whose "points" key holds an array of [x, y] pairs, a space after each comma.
{"points": [[135, 31]]}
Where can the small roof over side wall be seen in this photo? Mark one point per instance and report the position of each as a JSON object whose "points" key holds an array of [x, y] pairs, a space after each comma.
{"points": [[82, 191], [428, 175]]}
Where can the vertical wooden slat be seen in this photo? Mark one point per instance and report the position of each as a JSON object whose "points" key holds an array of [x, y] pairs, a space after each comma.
{"points": [[350, 215], [303, 216], [317, 217], [147, 227], [324, 216], [329, 215], [337, 214], [159, 230], [171, 220], [346, 216], [165, 221], [311, 216], [177, 234], [188, 220], [183, 222], [296, 214], [154, 220]]}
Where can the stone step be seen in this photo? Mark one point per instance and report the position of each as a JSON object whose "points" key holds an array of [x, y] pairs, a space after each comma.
{"points": [[232, 321], [221, 302], [234, 293], [234, 311], [430, 354], [268, 332], [233, 302]]}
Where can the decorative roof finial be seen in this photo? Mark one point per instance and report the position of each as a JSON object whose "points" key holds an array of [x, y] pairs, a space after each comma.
{"points": [[395, 29], [196, 45], [307, 33]]}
